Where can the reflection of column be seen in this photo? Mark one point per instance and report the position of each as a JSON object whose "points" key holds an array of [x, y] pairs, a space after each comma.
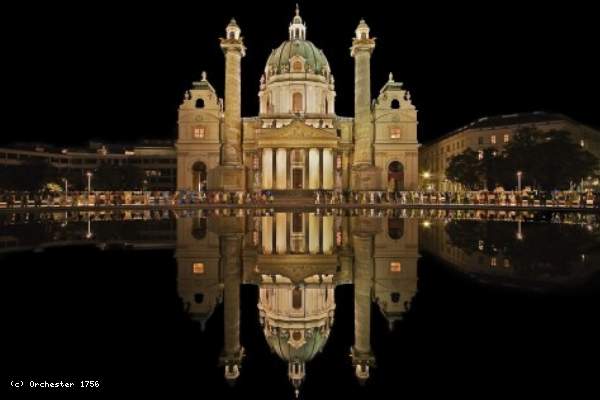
{"points": [[328, 169], [267, 234], [328, 234], [281, 233], [267, 169], [281, 169], [362, 357], [231, 358], [313, 233], [313, 169]]}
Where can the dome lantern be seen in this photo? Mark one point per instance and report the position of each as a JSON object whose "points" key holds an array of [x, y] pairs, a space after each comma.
{"points": [[297, 27]]}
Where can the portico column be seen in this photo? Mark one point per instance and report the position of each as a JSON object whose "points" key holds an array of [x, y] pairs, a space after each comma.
{"points": [[267, 169], [313, 233], [281, 233], [328, 179], [281, 169], [267, 234], [327, 234], [313, 169]]}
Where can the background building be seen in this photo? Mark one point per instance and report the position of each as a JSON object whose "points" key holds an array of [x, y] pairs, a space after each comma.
{"points": [[156, 160], [496, 132]]}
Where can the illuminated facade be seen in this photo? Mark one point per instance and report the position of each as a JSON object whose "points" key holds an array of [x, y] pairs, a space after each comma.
{"points": [[496, 132], [297, 142]]}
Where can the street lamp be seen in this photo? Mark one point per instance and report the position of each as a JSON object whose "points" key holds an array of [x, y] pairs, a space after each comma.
{"points": [[519, 174], [89, 176], [89, 233], [426, 175], [66, 188]]}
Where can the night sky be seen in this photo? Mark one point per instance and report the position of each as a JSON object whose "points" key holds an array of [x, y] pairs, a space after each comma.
{"points": [[117, 73]]}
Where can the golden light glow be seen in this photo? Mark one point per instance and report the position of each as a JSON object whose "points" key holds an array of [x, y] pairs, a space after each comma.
{"points": [[198, 132], [198, 268], [395, 266]]}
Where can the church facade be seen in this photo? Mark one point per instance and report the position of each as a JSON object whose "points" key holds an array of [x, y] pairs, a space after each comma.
{"points": [[297, 142]]}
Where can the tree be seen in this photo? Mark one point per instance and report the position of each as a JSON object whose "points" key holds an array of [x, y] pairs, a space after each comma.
{"points": [[562, 162], [547, 160], [464, 168], [114, 177], [32, 175]]}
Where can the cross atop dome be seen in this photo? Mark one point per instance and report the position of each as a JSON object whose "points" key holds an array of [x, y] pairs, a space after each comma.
{"points": [[297, 27]]}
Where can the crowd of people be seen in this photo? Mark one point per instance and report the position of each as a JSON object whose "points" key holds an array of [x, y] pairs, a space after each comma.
{"points": [[525, 198]]}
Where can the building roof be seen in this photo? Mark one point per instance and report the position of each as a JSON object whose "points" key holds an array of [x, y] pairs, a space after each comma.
{"points": [[314, 59], [507, 120]]}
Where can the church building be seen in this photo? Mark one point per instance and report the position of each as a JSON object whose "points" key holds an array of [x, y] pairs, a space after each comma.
{"points": [[297, 142]]}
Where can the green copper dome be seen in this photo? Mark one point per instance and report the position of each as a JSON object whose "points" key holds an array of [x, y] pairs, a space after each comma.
{"points": [[314, 342], [314, 60]]}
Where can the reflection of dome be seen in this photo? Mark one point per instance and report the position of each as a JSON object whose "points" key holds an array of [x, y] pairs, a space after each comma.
{"points": [[298, 344], [297, 319], [314, 59]]}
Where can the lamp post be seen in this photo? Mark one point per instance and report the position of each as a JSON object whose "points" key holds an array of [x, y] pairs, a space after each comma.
{"points": [[519, 174], [426, 175], [89, 176], [66, 182], [89, 233], [89, 185]]}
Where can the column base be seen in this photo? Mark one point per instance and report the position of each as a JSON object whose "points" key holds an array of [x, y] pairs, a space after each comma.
{"points": [[365, 177], [362, 363], [228, 178], [232, 364]]}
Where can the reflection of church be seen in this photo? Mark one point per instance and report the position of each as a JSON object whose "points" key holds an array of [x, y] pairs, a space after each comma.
{"points": [[297, 141], [296, 260]]}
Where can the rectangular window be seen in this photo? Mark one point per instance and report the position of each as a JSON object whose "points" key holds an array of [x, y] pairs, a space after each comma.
{"points": [[395, 266], [493, 262], [395, 133], [493, 139], [506, 138], [480, 140], [198, 132], [198, 268]]}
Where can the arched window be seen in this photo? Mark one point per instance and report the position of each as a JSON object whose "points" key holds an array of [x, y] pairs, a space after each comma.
{"points": [[297, 298], [297, 102], [395, 297], [297, 66], [199, 228], [199, 298], [395, 228], [200, 103], [199, 176], [395, 104], [395, 176]]}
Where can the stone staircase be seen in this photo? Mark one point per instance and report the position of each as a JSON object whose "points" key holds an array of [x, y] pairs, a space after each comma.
{"points": [[294, 196]]}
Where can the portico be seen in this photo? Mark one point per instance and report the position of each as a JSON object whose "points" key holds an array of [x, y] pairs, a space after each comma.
{"points": [[298, 156]]}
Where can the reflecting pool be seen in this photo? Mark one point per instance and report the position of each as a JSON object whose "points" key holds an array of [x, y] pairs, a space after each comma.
{"points": [[274, 304]]}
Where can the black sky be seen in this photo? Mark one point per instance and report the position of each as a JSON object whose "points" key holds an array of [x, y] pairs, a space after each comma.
{"points": [[112, 72]]}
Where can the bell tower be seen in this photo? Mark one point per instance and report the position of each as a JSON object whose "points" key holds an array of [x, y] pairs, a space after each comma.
{"points": [[231, 173], [198, 143], [364, 175]]}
